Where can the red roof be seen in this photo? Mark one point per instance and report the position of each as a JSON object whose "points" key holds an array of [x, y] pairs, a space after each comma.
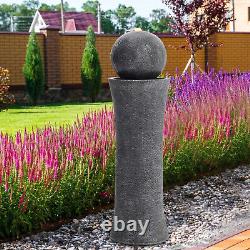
{"points": [[73, 20]]}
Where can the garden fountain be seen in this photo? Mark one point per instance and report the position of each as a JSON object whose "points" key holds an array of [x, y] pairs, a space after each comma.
{"points": [[139, 99]]}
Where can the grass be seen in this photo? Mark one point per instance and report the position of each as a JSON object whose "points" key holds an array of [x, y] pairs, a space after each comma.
{"points": [[21, 117]]}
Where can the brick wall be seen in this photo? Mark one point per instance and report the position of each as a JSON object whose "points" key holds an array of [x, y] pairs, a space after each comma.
{"points": [[12, 54], [71, 48], [51, 54], [178, 58], [62, 55], [233, 54], [70, 52]]}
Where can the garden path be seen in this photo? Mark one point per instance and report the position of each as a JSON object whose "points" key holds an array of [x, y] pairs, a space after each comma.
{"points": [[240, 241]]}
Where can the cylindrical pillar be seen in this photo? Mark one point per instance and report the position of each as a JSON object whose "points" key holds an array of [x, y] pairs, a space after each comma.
{"points": [[139, 107]]}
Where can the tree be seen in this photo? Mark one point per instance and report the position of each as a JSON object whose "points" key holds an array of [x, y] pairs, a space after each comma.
{"points": [[108, 27], [33, 70], [6, 11], [24, 14], [30, 6], [90, 6], [56, 7], [124, 17], [197, 20], [18, 14], [142, 22], [66, 7], [160, 21], [46, 7], [107, 24], [90, 67]]}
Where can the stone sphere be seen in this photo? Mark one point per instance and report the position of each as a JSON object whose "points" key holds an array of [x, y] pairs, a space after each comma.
{"points": [[138, 55]]}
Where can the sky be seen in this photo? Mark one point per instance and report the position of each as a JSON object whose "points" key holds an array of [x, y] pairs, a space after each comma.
{"points": [[142, 7]]}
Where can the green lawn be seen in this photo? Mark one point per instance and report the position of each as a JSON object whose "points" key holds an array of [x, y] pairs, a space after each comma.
{"points": [[20, 117]]}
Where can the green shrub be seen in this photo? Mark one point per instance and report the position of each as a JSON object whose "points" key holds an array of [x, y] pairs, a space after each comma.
{"points": [[5, 97], [195, 158], [90, 67], [33, 70]]}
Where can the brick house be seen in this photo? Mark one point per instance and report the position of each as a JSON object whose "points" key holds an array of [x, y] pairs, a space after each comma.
{"points": [[76, 22], [241, 9]]}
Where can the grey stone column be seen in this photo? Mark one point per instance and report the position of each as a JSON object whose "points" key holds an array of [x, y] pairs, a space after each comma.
{"points": [[139, 99], [139, 107]]}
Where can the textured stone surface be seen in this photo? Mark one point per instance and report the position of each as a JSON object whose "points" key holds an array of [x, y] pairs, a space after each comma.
{"points": [[139, 107], [138, 55]]}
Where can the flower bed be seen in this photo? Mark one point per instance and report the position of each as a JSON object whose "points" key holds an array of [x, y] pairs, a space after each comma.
{"points": [[207, 125], [53, 173]]}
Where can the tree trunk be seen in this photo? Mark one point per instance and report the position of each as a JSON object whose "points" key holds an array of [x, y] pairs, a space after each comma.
{"points": [[192, 66]]}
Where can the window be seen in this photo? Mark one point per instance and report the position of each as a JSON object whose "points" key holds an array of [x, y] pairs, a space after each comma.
{"points": [[248, 13]]}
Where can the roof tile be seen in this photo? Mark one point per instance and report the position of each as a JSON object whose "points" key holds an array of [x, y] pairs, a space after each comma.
{"points": [[81, 20]]}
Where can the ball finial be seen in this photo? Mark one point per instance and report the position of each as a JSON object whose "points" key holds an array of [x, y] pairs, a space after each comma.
{"points": [[138, 55]]}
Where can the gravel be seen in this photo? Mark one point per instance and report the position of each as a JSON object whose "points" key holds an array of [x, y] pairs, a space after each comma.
{"points": [[197, 213]]}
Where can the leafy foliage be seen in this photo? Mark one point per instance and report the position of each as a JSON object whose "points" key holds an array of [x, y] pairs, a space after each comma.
{"points": [[5, 97], [33, 69], [90, 6], [56, 7], [108, 26], [160, 21], [22, 12], [124, 16], [107, 23], [6, 10], [142, 22], [90, 68], [197, 20]]}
